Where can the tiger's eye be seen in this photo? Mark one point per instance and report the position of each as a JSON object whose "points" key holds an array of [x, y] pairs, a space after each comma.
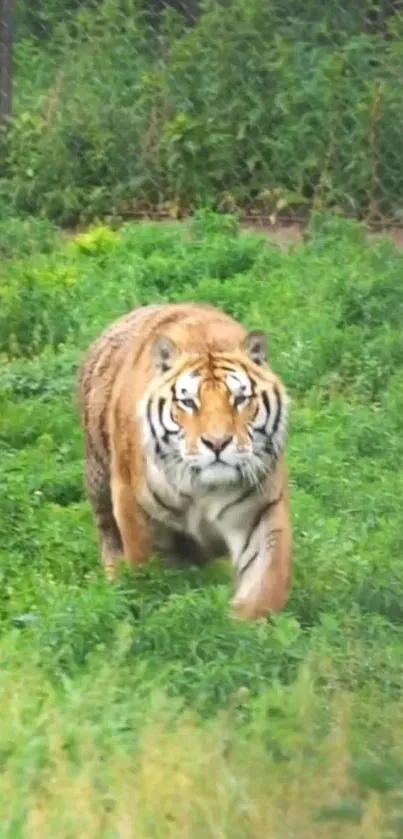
{"points": [[189, 403], [240, 400]]}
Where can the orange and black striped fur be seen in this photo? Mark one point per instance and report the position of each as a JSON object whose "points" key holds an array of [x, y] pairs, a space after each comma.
{"points": [[185, 431]]}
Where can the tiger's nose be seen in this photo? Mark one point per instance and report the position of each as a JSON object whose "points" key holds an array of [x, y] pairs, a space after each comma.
{"points": [[217, 442]]}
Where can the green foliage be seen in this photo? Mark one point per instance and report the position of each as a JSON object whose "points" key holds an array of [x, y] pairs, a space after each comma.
{"points": [[250, 106], [96, 678], [36, 307]]}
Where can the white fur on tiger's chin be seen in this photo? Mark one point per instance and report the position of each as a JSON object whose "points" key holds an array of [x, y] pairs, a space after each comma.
{"points": [[219, 474]]}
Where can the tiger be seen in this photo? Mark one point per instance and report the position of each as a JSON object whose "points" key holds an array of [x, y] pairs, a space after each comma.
{"points": [[185, 429]]}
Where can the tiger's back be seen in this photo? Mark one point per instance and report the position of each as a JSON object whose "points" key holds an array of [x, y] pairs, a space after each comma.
{"points": [[163, 468]]}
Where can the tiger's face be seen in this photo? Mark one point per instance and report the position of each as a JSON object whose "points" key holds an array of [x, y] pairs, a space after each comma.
{"points": [[216, 420]]}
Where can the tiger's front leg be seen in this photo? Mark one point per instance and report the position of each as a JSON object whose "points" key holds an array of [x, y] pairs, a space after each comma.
{"points": [[264, 566], [131, 520]]}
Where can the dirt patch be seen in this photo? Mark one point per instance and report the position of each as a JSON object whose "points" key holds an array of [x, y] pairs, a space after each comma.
{"points": [[286, 235], [282, 235]]}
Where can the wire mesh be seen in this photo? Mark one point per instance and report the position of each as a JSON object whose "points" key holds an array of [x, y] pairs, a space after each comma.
{"points": [[7, 14], [272, 108]]}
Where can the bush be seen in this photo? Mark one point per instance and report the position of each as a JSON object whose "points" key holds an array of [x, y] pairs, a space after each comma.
{"points": [[249, 107], [36, 307]]}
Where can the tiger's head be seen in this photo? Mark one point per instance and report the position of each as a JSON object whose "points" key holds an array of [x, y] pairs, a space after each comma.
{"points": [[215, 418]]}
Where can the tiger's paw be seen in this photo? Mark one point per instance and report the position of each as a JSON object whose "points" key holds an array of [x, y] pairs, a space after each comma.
{"points": [[248, 610], [111, 564]]}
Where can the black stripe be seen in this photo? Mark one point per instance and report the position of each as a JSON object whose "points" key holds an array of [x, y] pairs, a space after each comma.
{"points": [[99, 457], [167, 433], [249, 563], [102, 429], [145, 512], [158, 500], [266, 402], [161, 405], [278, 414], [257, 521], [218, 368], [250, 491], [261, 429], [152, 429], [234, 371]]}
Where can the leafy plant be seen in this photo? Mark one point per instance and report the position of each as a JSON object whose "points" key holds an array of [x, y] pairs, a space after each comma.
{"points": [[118, 697], [252, 106]]}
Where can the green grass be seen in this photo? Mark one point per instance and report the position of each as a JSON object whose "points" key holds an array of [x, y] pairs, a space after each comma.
{"points": [[143, 709]]}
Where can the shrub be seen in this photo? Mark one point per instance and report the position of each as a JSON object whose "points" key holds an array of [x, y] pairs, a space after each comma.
{"points": [[251, 106], [36, 307]]}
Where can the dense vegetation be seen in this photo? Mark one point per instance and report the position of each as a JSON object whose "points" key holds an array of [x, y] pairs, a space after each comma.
{"points": [[142, 709], [271, 106]]}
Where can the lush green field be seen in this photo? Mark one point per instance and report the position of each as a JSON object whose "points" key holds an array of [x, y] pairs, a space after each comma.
{"points": [[142, 709]]}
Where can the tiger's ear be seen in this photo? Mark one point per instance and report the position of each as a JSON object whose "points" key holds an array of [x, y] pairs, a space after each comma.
{"points": [[256, 346], [164, 353]]}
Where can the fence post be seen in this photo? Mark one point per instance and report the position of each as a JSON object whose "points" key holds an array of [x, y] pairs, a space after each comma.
{"points": [[7, 18]]}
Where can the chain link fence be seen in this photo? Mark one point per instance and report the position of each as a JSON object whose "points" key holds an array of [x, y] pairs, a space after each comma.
{"points": [[7, 15], [271, 108]]}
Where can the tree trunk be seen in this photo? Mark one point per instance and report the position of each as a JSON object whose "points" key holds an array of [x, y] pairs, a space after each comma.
{"points": [[7, 18]]}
